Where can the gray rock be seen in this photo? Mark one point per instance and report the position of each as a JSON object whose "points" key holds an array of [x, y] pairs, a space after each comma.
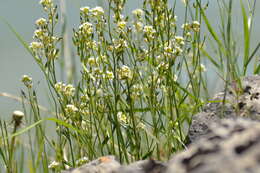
{"points": [[246, 104], [108, 164], [231, 146]]}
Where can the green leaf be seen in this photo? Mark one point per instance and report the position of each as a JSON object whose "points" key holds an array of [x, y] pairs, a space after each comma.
{"points": [[26, 128], [246, 38], [60, 122]]}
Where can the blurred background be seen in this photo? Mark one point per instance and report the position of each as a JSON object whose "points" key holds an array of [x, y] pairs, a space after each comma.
{"points": [[15, 61]]}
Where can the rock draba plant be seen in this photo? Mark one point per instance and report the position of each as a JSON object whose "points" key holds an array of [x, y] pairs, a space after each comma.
{"points": [[129, 83], [141, 80], [129, 101]]}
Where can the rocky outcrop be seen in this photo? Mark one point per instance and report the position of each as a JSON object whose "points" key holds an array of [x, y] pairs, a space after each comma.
{"points": [[108, 164], [245, 104], [231, 146]]}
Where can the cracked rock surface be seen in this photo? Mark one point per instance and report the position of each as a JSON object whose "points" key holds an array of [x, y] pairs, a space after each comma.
{"points": [[246, 104], [231, 146]]}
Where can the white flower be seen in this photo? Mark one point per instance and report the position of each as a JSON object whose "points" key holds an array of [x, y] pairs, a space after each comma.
{"points": [[84, 10], [59, 86], [41, 22], [202, 68], [97, 11], [168, 49], [149, 31], [86, 28], [38, 33], [27, 81], [118, 17], [122, 117], [136, 91], [47, 3], [92, 61], [186, 26], [81, 161], [125, 72], [36, 45], [121, 24], [69, 90], [138, 26], [138, 13], [109, 75], [71, 108], [17, 117], [120, 44], [179, 40], [195, 26]]}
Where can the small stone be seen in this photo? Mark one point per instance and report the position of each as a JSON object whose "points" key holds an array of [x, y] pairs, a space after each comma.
{"points": [[105, 164]]}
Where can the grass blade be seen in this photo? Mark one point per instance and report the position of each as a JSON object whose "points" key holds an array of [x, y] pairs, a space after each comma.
{"points": [[60, 122], [211, 59], [209, 27], [246, 38], [23, 42]]}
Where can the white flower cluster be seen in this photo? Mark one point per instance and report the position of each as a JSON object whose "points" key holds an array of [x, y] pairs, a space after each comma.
{"points": [[138, 13], [81, 161], [41, 22], [149, 31], [122, 117], [47, 3], [194, 26], [70, 108], [125, 73], [95, 12], [35, 45], [66, 90], [43, 39], [86, 28], [136, 91], [109, 75]]}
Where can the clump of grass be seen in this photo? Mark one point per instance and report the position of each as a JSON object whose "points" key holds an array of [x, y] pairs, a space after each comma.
{"points": [[141, 80]]}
